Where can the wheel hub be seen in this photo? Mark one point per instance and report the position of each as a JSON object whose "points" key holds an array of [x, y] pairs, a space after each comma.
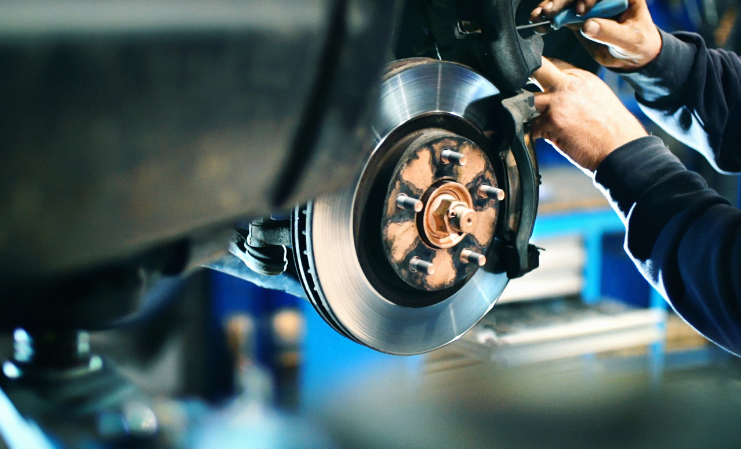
{"points": [[435, 210]]}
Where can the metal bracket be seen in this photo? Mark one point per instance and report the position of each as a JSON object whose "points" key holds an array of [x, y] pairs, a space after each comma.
{"points": [[520, 256], [265, 245], [269, 232]]}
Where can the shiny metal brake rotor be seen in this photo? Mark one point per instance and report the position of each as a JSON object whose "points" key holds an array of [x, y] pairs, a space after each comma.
{"points": [[367, 293]]}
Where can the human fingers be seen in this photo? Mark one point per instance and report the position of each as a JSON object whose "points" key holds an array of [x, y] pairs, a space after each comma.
{"points": [[635, 8], [548, 75], [637, 42], [548, 8], [584, 6], [610, 32], [561, 65], [542, 101], [536, 15], [599, 52], [538, 125], [553, 7]]}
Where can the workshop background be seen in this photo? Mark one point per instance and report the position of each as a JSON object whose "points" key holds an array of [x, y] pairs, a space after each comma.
{"points": [[578, 353]]}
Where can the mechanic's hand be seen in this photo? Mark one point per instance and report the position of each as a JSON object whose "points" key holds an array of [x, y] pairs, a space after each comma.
{"points": [[549, 8], [628, 43], [580, 115]]}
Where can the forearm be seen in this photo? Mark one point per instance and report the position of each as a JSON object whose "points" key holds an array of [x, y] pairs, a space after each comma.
{"points": [[681, 235], [693, 93], [661, 83]]}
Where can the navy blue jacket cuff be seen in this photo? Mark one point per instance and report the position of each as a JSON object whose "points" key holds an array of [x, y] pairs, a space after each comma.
{"points": [[666, 75], [632, 169]]}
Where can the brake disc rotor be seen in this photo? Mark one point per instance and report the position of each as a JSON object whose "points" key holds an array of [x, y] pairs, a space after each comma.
{"points": [[398, 262]]}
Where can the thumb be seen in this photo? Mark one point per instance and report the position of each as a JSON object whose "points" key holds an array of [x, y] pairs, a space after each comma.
{"points": [[609, 32]]}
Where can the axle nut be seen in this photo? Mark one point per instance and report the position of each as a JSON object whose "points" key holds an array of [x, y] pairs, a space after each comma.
{"points": [[461, 218]]}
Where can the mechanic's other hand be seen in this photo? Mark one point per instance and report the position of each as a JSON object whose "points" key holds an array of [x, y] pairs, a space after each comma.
{"points": [[549, 8], [628, 43], [580, 115]]}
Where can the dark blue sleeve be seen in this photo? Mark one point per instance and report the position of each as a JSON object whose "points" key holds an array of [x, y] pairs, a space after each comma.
{"points": [[694, 93], [682, 236]]}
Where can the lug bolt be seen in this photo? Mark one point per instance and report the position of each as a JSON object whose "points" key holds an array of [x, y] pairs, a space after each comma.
{"points": [[468, 256], [491, 192], [417, 264], [452, 157], [405, 202]]}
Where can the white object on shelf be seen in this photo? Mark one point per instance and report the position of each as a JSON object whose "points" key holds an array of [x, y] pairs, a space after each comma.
{"points": [[561, 272], [526, 333]]}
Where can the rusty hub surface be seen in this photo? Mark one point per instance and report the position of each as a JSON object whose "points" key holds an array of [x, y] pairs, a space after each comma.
{"points": [[435, 213]]}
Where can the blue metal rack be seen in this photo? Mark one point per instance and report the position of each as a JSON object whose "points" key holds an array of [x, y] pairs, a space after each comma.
{"points": [[592, 225]]}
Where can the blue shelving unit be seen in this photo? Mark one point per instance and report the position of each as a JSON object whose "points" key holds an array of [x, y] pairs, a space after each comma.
{"points": [[591, 226]]}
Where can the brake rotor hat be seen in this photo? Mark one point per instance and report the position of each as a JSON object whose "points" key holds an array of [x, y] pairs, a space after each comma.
{"points": [[437, 225], [456, 217]]}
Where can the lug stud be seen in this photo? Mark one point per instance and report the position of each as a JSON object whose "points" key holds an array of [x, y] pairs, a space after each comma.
{"points": [[452, 157], [491, 192], [468, 256], [417, 264], [405, 202]]}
